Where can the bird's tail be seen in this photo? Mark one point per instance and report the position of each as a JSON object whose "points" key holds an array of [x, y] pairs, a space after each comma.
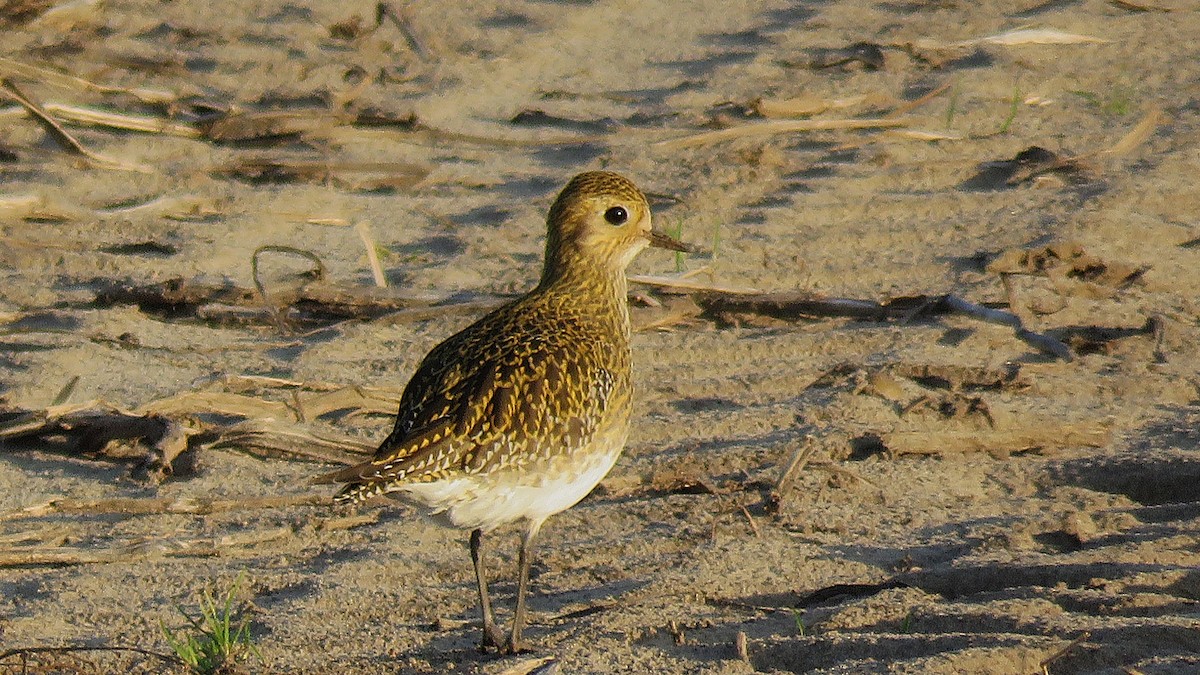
{"points": [[357, 493], [357, 488]]}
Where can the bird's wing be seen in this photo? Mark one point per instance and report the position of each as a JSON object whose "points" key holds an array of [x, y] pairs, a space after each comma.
{"points": [[488, 398]]}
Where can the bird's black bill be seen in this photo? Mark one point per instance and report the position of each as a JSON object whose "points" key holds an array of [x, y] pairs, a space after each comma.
{"points": [[660, 240]]}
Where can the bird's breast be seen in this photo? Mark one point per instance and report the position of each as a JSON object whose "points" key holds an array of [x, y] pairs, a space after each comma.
{"points": [[489, 500]]}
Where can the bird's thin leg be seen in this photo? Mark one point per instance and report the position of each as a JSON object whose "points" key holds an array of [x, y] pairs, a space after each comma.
{"points": [[491, 634], [514, 645]]}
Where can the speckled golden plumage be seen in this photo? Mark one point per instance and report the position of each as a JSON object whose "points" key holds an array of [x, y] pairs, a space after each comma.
{"points": [[519, 415]]}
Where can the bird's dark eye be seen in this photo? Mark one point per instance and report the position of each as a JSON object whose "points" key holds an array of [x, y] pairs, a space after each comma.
{"points": [[617, 215]]}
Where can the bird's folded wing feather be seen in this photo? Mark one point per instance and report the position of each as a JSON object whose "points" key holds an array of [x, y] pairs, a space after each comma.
{"points": [[474, 415]]}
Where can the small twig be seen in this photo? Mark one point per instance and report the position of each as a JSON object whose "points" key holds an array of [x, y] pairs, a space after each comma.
{"points": [[11, 68], [439, 137], [401, 21], [1138, 6], [22, 651], [69, 142], [364, 233], [315, 304], [64, 394], [435, 311], [834, 469], [679, 311], [795, 466], [133, 506], [1045, 664], [101, 430], [922, 135], [685, 283], [921, 100], [124, 122], [298, 406], [578, 613], [843, 591], [750, 519], [287, 169], [181, 207], [262, 291], [982, 313], [50, 124], [1157, 327], [1044, 343], [536, 665], [1044, 434], [245, 382], [269, 125], [793, 306], [738, 604], [1019, 36], [223, 403], [1138, 135], [1010, 297], [772, 127], [149, 549], [267, 437]]}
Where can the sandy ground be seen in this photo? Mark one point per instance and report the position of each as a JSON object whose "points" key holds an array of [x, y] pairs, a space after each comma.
{"points": [[1077, 551]]}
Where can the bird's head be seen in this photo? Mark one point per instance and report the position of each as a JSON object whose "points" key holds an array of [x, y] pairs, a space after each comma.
{"points": [[601, 218]]}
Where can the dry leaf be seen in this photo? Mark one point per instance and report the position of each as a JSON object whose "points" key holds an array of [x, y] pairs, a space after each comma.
{"points": [[1032, 36]]}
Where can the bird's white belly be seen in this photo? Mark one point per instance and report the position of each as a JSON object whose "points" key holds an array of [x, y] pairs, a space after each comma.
{"points": [[487, 501]]}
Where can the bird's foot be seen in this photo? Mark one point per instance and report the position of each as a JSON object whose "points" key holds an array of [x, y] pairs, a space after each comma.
{"points": [[514, 646], [493, 638]]}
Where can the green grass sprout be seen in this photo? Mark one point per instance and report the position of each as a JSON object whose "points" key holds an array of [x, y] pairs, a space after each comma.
{"points": [[216, 639], [1012, 111]]}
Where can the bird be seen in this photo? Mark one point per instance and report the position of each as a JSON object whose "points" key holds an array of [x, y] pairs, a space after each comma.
{"points": [[520, 415]]}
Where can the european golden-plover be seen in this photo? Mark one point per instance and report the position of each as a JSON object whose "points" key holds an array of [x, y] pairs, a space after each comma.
{"points": [[518, 416]]}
